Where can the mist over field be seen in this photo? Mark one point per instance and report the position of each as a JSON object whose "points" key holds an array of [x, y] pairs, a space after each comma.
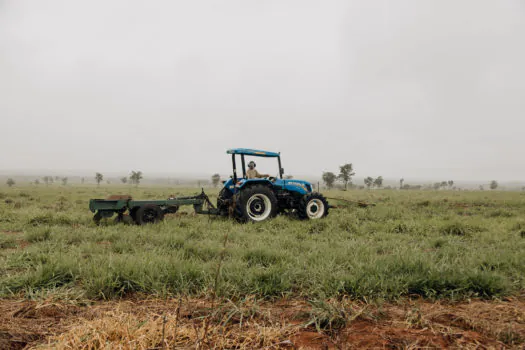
{"points": [[392, 218], [422, 90]]}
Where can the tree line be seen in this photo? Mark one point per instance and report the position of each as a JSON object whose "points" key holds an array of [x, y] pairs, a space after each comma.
{"points": [[134, 179], [345, 175], [346, 172]]}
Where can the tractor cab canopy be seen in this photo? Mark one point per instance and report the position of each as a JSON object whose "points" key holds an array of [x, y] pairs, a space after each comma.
{"points": [[252, 152]]}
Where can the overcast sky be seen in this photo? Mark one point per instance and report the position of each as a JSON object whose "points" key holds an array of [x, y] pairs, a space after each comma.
{"points": [[415, 89]]}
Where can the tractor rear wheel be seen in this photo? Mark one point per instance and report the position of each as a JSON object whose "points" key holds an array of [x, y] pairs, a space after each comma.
{"points": [[148, 214], [255, 204], [313, 206]]}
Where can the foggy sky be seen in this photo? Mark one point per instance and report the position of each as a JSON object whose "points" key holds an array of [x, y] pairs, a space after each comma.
{"points": [[414, 89]]}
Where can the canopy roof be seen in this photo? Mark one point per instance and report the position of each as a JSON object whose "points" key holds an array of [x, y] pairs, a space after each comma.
{"points": [[252, 152]]}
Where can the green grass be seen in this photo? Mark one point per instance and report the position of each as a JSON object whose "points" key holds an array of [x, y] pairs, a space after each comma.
{"points": [[432, 244]]}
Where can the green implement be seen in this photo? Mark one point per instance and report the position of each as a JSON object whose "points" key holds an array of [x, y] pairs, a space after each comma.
{"points": [[147, 211]]}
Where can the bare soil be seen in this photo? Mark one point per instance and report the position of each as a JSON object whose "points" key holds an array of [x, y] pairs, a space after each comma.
{"points": [[146, 323]]}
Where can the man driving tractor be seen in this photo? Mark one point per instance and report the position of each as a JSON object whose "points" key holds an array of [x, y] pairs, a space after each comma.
{"points": [[252, 173]]}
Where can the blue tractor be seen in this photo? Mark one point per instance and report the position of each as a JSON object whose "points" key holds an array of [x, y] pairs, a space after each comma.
{"points": [[243, 198], [254, 200]]}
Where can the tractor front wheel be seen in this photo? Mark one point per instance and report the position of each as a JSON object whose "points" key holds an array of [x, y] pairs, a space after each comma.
{"points": [[257, 203], [313, 206]]}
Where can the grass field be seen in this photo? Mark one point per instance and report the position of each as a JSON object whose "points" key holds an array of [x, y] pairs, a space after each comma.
{"points": [[434, 244], [437, 245]]}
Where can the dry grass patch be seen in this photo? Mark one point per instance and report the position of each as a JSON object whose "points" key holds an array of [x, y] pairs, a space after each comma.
{"points": [[144, 323]]}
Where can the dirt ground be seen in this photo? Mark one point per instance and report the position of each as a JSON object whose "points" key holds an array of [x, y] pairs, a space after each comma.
{"points": [[146, 323]]}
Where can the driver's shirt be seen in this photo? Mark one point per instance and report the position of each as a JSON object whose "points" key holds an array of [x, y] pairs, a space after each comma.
{"points": [[252, 174]]}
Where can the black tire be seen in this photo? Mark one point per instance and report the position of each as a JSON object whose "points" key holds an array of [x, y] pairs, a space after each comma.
{"points": [[224, 194], [224, 201], [172, 209], [255, 204], [149, 214], [97, 217], [312, 206], [133, 213], [124, 219]]}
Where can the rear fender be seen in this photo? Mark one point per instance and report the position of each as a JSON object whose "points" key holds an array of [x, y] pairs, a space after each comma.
{"points": [[228, 185], [252, 182], [245, 183]]}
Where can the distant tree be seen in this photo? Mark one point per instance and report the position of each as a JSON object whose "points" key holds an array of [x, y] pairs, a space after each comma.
{"points": [[437, 185], [47, 180], [10, 182], [493, 184], [124, 179], [64, 181], [108, 182], [450, 183], [82, 180], [444, 184], [401, 182], [135, 177], [215, 179], [346, 172], [523, 188], [37, 182], [57, 178], [329, 179], [481, 188], [378, 182], [98, 178], [369, 181]]}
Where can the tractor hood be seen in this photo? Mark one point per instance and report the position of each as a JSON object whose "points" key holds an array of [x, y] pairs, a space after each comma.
{"points": [[293, 185]]}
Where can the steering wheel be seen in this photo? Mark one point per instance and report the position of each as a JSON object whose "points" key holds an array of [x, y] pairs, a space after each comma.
{"points": [[271, 178]]}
